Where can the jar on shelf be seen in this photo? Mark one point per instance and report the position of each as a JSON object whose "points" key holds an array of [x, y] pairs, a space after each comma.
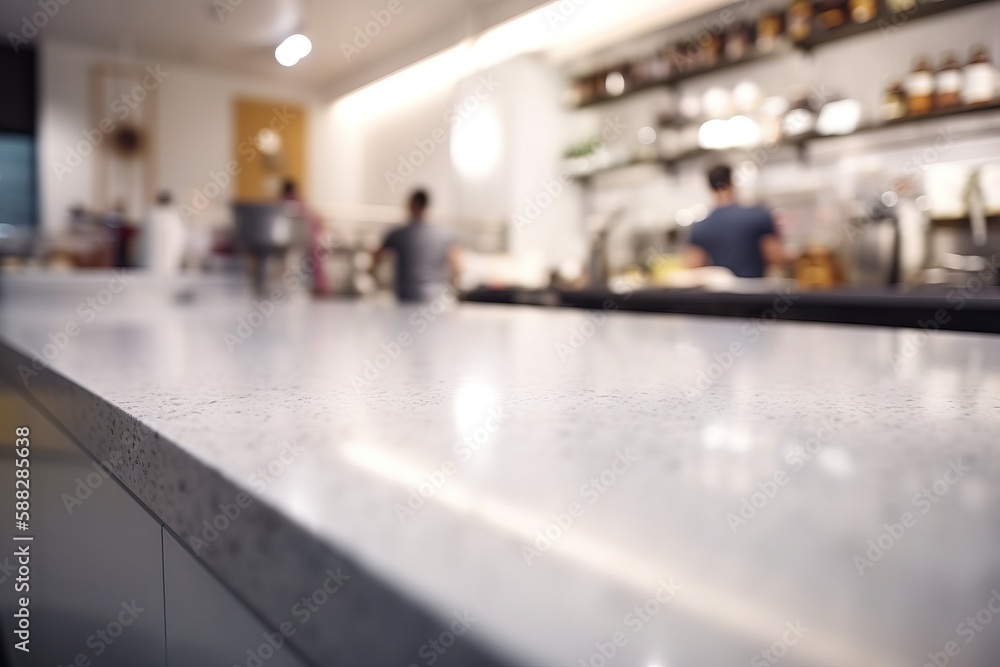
{"points": [[627, 70], [863, 11], [799, 20], [948, 84], [769, 31], [659, 66], [901, 6], [979, 78], [800, 119], [830, 14], [894, 103], [919, 86], [709, 49], [681, 57], [738, 41]]}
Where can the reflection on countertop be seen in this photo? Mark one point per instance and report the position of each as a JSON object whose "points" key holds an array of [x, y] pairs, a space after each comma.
{"points": [[687, 485]]}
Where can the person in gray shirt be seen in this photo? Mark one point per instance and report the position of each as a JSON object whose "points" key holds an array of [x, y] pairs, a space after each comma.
{"points": [[428, 257]]}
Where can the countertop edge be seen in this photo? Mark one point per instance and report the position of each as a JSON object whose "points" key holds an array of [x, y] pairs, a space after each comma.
{"points": [[182, 493]]}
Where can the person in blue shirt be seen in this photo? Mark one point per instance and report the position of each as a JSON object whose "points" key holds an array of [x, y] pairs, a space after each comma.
{"points": [[741, 238]]}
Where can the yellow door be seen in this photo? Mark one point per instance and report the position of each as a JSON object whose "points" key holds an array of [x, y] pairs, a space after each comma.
{"points": [[270, 147]]}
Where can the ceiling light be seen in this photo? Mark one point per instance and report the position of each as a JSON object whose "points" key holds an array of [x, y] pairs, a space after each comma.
{"points": [[292, 50]]}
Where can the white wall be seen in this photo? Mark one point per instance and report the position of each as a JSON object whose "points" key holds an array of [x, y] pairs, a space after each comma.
{"points": [[194, 138], [390, 132]]}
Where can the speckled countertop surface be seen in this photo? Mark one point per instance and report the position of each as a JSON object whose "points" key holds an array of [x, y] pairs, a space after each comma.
{"points": [[743, 465]]}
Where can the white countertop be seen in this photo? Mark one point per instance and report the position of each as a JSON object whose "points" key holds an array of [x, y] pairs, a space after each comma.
{"points": [[558, 400]]}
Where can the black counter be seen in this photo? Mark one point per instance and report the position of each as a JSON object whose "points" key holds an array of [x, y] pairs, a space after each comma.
{"points": [[969, 308]]}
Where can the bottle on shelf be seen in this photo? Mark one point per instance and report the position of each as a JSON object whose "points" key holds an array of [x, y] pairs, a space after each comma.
{"points": [[799, 23], [894, 105], [863, 11], [659, 66], [683, 57], [818, 268], [919, 86], [800, 119], [948, 84], [769, 31], [640, 71], [980, 78], [627, 70], [739, 40], [830, 14], [901, 6], [709, 49]]}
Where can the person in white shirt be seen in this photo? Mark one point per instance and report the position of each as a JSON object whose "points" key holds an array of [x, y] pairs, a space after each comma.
{"points": [[164, 237]]}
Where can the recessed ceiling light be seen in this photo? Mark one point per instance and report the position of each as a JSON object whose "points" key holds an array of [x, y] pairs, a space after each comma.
{"points": [[292, 50]]}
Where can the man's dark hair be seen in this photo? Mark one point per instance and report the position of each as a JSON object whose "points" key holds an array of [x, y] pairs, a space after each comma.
{"points": [[420, 199], [720, 177]]}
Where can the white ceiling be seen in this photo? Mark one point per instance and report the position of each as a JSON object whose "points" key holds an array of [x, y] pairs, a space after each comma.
{"points": [[206, 33], [241, 35]]}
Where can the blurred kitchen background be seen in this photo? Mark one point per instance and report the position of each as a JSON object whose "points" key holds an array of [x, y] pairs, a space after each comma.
{"points": [[566, 142]]}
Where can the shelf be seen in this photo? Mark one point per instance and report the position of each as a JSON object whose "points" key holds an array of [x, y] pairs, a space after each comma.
{"points": [[885, 21], [923, 9], [800, 142], [618, 167], [937, 114], [682, 76]]}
